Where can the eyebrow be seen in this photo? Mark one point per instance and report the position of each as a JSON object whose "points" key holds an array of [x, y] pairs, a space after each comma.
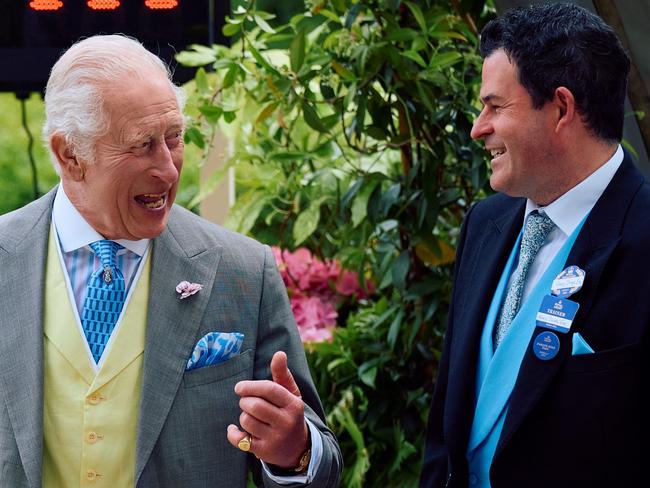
{"points": [[490, 97]]}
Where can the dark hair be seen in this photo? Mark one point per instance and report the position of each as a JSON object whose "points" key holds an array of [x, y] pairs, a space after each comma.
{"points": [[560, 44]]}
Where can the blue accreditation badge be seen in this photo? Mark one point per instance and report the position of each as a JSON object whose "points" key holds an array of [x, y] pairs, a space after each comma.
{"points": [[556, 313], [546, 345], [568, 282]]}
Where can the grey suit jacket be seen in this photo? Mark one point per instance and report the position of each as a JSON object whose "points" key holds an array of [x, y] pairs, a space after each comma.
{"points": [[183, 415]]}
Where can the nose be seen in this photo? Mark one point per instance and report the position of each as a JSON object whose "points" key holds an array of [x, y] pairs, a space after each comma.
{"points": [[482, 125], [164, 167]]}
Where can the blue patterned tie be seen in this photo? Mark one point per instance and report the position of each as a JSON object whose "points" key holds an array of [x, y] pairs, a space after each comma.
{"points": [[537, 228], [105, 296]]}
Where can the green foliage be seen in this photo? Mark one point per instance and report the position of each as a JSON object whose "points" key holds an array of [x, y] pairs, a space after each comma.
{"points": [[352, 138], [16, 182]]}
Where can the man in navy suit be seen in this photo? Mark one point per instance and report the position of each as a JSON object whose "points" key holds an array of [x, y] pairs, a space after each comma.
{"points": [[544, 378]]}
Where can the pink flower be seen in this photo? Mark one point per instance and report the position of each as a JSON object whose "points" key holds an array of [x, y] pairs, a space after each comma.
{"points": [[315, 335], [186, 289], [313, 312]]}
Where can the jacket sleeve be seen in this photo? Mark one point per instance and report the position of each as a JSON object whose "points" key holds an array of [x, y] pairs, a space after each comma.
{"points": [[277, 331]]}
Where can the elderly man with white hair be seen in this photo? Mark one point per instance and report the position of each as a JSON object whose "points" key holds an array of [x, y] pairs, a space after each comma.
{"points": [[135, 336]]}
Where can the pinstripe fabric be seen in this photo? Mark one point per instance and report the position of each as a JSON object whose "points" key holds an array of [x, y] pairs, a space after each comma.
{"points": [[105, 297]]}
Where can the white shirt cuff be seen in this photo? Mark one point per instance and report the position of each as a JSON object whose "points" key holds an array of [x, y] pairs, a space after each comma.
{"points": [[314, 462]]}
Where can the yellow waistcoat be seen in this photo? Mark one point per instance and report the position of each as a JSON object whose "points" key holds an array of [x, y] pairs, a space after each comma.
{"points": [[90, 418]]}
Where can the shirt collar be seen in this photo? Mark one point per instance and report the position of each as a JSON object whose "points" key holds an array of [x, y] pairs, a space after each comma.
{"points": [[75, 232], [568, 211]]}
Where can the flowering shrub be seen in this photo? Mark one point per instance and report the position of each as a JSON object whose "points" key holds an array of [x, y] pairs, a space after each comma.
{"points": [[317, 289]]}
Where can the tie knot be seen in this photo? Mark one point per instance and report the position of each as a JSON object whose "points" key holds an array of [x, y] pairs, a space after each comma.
{"points": [[106, 251], [538, 226]]}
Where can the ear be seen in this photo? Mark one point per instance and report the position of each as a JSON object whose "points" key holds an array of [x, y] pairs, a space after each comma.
{"points": [[566, 105], [71, 167]]}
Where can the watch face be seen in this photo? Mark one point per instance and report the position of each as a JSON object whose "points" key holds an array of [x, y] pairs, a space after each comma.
{"points": [[33, 33]]}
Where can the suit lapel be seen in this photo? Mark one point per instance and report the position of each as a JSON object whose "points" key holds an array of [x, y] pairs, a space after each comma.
{"points": [[486, 263], [172, 325], [599, 237], [23, 255]]}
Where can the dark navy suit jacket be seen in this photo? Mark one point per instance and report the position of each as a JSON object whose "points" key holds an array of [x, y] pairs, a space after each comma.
{"points": [[573, 421]]}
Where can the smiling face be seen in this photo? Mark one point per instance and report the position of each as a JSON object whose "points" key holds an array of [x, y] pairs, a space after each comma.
{"points": [[128, 190], [521, 140]]}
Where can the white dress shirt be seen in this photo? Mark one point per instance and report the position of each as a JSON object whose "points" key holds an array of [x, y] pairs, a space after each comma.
{"points": [[567, 212]]}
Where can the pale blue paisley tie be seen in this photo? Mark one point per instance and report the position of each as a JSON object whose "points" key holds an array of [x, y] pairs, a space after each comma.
{"points": [[105, 297], [537, 228]]}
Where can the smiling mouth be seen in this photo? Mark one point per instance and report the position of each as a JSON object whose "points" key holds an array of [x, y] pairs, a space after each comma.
{"points": [[152, 201], [495, 153]]}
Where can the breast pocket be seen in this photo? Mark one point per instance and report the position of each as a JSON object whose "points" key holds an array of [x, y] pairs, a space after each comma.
{"points": [[220, 371], [619, 357]]}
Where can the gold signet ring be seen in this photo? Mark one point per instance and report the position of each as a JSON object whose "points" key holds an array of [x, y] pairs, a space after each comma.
{"points": [[246, 443]]}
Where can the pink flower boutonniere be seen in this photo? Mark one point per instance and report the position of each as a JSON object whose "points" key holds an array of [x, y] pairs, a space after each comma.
{"points": [[186, 289]]}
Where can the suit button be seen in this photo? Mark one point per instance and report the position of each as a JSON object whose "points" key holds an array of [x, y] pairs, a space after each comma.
{"points": [[473, 479], [92, 437], [95, 398], [91, 475]]}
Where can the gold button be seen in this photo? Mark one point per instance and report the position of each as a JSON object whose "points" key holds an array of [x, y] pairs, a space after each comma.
{"points": [[91, 475], [91, 437], [95, 398]]}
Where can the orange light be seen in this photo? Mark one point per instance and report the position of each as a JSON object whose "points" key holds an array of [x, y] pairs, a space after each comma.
{"points": [[161, 4], [46, 4], [103, 4]]}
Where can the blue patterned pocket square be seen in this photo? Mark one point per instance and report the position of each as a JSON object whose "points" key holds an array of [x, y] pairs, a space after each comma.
{"points": [[214, 348]]}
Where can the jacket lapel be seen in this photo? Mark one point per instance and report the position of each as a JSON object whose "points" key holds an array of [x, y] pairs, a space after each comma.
{"points": [[599, 237], [486, 263], [172, 325], [23, 255]]}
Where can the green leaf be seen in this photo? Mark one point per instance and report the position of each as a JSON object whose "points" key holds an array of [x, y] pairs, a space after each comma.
{"points": [[306, 223], [444, 60], [266, 112], [211, 113], [413, 55], [194, 136], [244, 214], [289, 156], [401, 35], [261, 60], [368, 376], [201, 80], [330, 15], [312, 118], [400, 269], [359, 208], [194, 58], [394, 328], [343, 72], [263, 24], [230, 30], [231, 76], [417, 13], [297, 51]]}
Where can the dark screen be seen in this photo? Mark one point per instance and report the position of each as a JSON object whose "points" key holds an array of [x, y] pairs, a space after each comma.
{"points": [[31, 40]]}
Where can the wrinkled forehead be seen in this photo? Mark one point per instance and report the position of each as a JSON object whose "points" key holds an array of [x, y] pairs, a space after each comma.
{"points": [[145, 104]]}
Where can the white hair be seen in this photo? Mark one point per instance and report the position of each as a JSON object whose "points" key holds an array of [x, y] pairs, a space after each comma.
{"points": [[74, 103]]}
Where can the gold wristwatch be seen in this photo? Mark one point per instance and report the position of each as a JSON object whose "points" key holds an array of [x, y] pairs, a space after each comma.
{"points": [[304, 462]]}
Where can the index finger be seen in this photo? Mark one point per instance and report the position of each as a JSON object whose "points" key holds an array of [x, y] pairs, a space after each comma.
{"points": [[267, 390]]}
